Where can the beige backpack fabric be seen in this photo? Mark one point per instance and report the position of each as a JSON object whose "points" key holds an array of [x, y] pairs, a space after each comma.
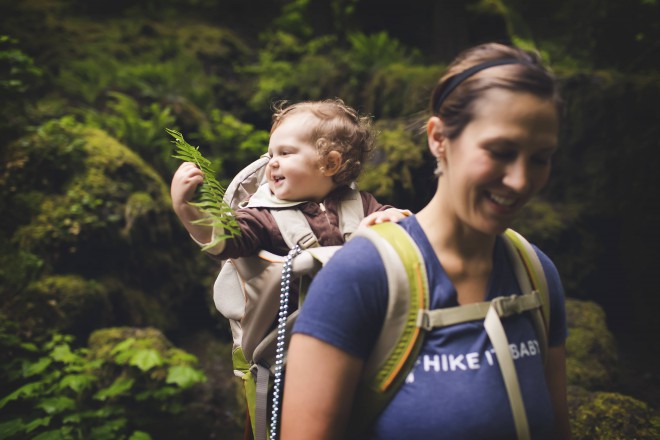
{"points": [[247, 289]]}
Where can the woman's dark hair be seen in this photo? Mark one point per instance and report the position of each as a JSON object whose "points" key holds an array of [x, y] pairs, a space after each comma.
{"points": [[524, 72]]}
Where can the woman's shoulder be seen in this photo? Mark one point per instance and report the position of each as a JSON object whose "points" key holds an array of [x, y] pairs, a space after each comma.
{"points": [[549, 268]]}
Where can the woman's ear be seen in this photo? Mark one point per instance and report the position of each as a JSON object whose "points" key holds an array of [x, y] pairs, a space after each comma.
{"points": [[331, 163], [436, 139]]}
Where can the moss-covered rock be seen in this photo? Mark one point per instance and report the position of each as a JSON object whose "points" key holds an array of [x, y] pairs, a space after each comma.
{"points": [[81, 206], [590, 348], [610, 416], [67, 303]]}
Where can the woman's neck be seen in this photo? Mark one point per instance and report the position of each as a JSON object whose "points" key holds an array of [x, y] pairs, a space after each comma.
{"points": [[466, 255], [446, 231]]}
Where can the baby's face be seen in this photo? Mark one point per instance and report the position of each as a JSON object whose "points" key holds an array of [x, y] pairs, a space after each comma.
{"points": [[295, 172]]}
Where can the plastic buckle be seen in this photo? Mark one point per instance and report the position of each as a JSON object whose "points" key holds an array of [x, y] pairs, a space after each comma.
{"points": [[507, 305], [308, 241], [424, 320]]}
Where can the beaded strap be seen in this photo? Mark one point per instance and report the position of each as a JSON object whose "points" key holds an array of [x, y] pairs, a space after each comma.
{"points": [[281, 333]]}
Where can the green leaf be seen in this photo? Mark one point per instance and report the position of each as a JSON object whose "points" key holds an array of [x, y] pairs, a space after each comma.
{"points": [[33, 369], [28, 390], [56, 405], [73, 419], [108, 430], [139, 435], [29, 346], [55, 434], [211, 193], [76, 382], [184, 376], [123, 345], [146, 359], [62, 353], [37, 423], [119, 386], [10, 428]]}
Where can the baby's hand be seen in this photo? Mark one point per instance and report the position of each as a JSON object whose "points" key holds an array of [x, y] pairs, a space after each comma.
{"points": [[389, 215], [185, 181]]}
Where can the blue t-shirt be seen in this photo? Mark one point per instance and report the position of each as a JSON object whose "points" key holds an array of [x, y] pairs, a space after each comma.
{"points": [[455, 391]]}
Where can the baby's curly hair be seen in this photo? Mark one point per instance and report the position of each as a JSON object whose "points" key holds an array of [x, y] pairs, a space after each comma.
{"points": [[339, 128]]}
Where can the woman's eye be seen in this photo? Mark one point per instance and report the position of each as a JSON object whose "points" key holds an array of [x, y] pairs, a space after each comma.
{"points": [[542, 160], [503, 155]]}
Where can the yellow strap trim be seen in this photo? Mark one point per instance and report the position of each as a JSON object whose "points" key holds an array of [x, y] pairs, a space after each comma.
{"points": [[531, 268], [407, 251]]}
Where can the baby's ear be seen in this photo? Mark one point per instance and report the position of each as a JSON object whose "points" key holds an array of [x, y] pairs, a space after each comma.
{"points": [[331, 163]]}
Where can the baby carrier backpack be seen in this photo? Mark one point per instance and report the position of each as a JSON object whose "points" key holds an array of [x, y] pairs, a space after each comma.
{"points": [[247, 289]]}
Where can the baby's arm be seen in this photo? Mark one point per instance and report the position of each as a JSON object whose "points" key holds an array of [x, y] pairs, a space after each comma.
{"points": [[185, 181], [389, 215]]}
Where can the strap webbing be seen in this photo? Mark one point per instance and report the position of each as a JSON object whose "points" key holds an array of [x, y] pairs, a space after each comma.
{"points": [[493, 310], [350, 213], [294, 228], [504, 306], [500, 343], [261, 404]]}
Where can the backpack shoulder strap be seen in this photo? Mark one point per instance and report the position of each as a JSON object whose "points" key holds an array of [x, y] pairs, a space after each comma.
{"points": [[400, 341], [528, 270], [246, 182], [294, 228], [351, 212]]}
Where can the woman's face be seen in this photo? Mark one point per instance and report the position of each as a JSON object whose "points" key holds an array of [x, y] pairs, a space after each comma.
{"points": [[501, 159]]}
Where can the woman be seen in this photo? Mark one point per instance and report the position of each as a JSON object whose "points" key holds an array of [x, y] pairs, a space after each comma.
{"points": [[493, 130]]}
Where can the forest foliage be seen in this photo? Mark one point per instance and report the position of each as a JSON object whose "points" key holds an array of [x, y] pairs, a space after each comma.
{"points": [[89, 244]]}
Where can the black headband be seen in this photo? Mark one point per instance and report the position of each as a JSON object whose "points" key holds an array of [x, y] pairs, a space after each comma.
{"points": [[453, 81]]}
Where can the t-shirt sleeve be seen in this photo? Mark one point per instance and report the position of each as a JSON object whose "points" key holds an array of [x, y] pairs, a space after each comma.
{"points": [[558, 329], [346, 302]]}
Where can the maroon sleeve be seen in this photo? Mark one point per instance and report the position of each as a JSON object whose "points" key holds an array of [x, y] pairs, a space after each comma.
{"points": [[258, 231], [370, 204]]}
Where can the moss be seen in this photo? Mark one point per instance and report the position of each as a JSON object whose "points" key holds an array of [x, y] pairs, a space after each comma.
{"points": [[392, 169], [66, 303], [399, 89], [542, 220], [590, 348], [137, 205], [102, 175], [610, 416], [107, 216]]}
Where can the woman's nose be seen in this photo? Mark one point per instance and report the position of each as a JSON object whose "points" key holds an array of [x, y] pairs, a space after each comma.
{"points": [[517, 177]]}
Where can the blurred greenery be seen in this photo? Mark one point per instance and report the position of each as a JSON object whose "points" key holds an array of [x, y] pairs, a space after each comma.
{"points": [[88, 241]]}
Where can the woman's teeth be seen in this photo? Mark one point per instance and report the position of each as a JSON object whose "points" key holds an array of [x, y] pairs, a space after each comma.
{"points": [[504, 201]]}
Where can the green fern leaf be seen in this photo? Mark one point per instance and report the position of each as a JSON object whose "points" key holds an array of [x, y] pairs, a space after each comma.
{"points": [[210, 199]]}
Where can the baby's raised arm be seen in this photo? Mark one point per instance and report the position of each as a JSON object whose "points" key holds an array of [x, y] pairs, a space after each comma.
{"points": [[185, 181]]}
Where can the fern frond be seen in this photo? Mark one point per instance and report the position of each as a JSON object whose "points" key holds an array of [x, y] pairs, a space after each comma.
{"points": [[210, 198]]}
